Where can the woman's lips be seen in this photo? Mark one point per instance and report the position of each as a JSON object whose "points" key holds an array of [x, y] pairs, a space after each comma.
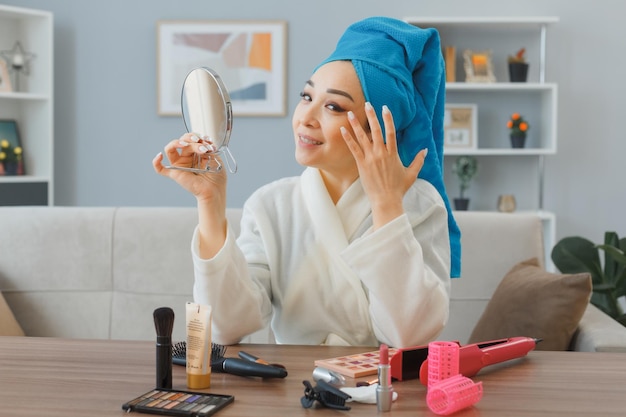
{"points": [[309, 141]]}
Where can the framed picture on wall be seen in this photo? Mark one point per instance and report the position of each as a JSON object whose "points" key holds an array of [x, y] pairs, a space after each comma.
{"points": [[5, 80], [460, 126], [249, 56]]}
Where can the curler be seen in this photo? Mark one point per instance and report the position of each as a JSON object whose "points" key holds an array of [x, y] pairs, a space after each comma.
{"points": [[453, 394], [443, 361]]}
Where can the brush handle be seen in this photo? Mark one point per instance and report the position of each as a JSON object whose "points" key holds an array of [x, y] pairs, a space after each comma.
{"points": [[242, 367], [163, 364]]}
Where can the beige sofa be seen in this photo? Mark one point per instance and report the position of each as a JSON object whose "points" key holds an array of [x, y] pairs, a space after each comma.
{"points": [[87, 272]]}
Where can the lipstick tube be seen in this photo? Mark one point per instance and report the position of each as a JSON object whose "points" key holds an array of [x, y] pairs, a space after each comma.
{"points": [[384, 390]]}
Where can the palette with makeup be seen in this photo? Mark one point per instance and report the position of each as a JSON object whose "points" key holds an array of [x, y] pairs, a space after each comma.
{"points": [[354, 366], [178, 403]]}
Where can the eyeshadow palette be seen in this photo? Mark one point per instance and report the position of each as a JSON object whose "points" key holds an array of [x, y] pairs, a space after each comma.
{"points": [[354, 366], [178, 403]]}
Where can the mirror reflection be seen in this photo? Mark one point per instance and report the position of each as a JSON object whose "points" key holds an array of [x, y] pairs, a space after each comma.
{"points": [[207, 112]]}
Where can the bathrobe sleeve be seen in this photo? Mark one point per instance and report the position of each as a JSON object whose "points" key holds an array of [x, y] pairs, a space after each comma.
{"points": [[405, 268], [240, 300]]}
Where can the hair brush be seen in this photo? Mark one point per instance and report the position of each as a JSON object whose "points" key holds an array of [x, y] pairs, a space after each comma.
{"points": [[234, 366]]}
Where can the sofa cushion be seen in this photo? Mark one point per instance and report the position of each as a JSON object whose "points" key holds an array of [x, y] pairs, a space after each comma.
{"points": [[530, 301], [8, 325]]}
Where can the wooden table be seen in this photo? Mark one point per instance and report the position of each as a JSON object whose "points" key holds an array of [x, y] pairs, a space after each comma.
{"points": [[61, 377]]}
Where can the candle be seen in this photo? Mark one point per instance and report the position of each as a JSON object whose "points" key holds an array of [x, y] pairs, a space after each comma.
{"points": [[18, 61]]}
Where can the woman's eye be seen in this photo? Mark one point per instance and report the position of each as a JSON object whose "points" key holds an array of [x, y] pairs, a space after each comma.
{"points": [[335, 107], [305, 96]]}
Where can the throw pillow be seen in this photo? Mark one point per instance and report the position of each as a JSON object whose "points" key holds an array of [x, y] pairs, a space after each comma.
{"points": [[530, 301], [8, 325]]}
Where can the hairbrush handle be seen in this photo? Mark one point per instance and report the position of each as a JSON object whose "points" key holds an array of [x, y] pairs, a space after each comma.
{"points": [[242, 367]]}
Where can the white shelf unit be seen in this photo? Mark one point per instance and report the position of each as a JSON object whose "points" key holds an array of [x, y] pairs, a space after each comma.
{"points": [[503, 169], [31, 106]]}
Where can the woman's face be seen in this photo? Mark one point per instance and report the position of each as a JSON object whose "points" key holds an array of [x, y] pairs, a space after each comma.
{"points": [[332, 91]]}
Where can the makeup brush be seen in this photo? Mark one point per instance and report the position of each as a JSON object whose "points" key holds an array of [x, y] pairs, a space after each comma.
{"points": [[164, 323]]}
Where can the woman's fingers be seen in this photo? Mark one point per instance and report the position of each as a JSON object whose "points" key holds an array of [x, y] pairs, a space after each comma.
{"points": [[390, 130], [157, 163], [181, 152]]}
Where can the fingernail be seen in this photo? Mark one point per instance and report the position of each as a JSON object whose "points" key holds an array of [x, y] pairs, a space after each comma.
{"points": [[368, 105], [350, 115], [203, 149], [183, 143], [425, 152], [195, 138], [159, 154], [385, 109], [343, 130]]}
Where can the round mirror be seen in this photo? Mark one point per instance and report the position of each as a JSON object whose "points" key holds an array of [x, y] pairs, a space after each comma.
{"points": [[207, 112]]}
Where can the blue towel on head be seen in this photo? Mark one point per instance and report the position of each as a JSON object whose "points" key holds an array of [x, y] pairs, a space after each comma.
{"points": [[401, 66]]}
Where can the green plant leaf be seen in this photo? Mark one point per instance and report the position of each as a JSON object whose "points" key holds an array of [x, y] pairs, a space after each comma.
{"points": [[572, 255], [620, 284], [604, 288], [616, 253], [610, 240]]}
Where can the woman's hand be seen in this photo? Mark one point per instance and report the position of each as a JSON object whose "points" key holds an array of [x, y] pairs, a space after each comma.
{"points": [[181, 152], [209, 188], [384, 177]]}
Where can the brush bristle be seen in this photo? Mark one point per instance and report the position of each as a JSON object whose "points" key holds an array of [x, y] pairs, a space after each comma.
{"points": [[179, 352], [179, 349], [217, 352], [164, 321]]}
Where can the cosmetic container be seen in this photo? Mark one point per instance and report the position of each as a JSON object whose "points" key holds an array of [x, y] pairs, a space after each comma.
{"points": [[384, 390]]}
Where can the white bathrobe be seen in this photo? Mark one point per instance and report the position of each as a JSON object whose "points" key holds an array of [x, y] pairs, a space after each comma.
{"points": [[322, 276]]}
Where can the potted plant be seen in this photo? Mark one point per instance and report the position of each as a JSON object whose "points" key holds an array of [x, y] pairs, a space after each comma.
{"points": [[465, 168], [518, 128], [572, 255], [10, 159], [518, 67]]}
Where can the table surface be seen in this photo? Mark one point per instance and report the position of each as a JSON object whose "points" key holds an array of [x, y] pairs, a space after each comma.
{"points": [[64, 377]]}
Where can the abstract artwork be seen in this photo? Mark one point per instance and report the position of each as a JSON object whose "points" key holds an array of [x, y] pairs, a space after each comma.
{"points": [[248, 56]]}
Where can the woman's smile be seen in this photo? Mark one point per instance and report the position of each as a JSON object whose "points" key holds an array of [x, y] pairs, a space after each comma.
{"points": [[307, 140]]}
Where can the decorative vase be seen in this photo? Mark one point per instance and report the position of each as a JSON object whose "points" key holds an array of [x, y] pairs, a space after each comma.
{"points": [[518, 72], [461, 204], [518, 141], [506, 203], [10, 168]]}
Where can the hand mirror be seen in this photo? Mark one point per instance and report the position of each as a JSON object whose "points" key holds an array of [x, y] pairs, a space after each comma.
{"points": [[207, 112]]}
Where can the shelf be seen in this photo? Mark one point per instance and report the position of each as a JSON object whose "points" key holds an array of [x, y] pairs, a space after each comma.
{"points": [[31, 106], [500, 152], [496, 102], [498, 22], [23, 179], [501, 168], [500, 86], [24, 96]]}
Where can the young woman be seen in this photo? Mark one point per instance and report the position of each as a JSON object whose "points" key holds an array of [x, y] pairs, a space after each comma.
{"points": [[357, 249]]}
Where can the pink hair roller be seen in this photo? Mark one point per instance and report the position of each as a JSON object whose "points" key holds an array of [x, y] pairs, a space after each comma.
{"points": [[453, 394], [443, 361]]}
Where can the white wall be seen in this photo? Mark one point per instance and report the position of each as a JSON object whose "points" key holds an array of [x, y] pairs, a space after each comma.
{"points": [[107, 130]]}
